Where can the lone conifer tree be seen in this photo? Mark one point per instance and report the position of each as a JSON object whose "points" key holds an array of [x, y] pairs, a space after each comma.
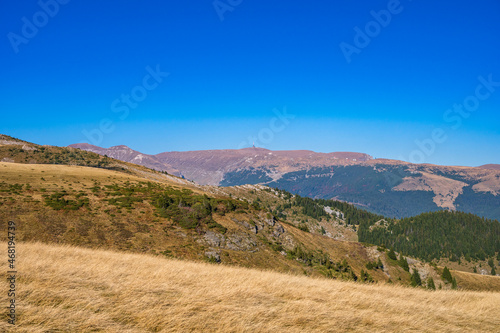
{"points": [[415, 279], [379, 264], [392, 254], [447, 275], [403, 263], [430, 283]]}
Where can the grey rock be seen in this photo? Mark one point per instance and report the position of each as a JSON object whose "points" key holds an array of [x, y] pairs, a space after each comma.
{"points": [[213, 239], [239, 242], [213, 254]]}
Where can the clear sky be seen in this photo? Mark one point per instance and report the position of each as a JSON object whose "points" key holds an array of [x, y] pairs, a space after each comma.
{"points": [[379, 77]]}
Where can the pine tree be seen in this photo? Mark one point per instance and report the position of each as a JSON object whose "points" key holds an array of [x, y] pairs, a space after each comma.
{"points": [[493, 272], [379, 264], [403, 263], [430, 283], [415, 279], [392, 254], [446, 274], [454, 284], [491, 263]]}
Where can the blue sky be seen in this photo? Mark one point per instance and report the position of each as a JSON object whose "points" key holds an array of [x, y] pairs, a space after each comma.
{"points": [[234, 66]]}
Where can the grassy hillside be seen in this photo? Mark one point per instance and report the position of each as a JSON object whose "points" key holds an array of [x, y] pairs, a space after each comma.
{"points": [[13, 150], [135, 209], [72, 289], [95, 207]]}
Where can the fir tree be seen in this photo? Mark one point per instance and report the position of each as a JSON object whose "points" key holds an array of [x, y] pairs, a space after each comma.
{"points": [[493, 272], [447, 275], [403, 263], [353, 276], [454, 284], [392, 254], [491, 263], [415, 279], [430, 283], [379, 264]]}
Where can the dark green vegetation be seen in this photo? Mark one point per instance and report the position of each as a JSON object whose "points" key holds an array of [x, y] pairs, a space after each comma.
{"points": [[315, 208], [416, 280], [326, 265], [191, 211], [58, 201], [479, 203], [370, 188], [438, 234]]}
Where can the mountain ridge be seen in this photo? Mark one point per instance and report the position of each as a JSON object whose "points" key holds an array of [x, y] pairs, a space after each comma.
{"points": [[383, 186]]}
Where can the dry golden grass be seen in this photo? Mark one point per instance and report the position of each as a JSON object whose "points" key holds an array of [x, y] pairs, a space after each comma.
{"points": [[67, 289]]}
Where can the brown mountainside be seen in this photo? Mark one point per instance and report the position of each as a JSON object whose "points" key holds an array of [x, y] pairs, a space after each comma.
{"points": [[208, 167], [490, 166]]}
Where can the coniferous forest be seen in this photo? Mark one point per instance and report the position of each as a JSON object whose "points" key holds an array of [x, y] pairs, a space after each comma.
{"points": [[437, 234]]}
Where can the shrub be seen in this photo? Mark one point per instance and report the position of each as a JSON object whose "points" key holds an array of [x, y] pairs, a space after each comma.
{"points": [[365, 277], [304, 227]]}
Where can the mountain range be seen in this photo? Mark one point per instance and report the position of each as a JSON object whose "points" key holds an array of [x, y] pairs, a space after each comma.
{"points": [[388, 187], [71, 196]]}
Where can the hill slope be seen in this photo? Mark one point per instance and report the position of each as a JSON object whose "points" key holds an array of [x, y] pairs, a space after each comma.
{"points": [[72, 289], [96, 207]]}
